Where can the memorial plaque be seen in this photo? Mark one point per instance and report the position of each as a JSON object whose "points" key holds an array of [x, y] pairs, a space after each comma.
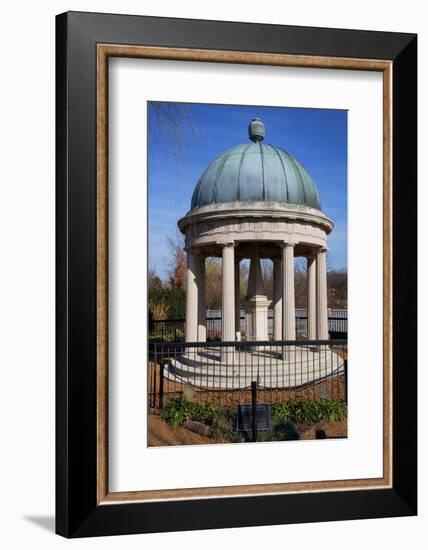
{"points": [[244, 420]]}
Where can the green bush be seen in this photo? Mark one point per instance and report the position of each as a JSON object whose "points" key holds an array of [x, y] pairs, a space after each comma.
{"points": [[334, 409], [306, 411], [223, 425], [285, 416], [281, 430], [177, 411], [222, 421]]}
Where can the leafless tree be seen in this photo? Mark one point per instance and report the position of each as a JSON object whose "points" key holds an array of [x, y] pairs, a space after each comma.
{"points": [[177, 261], [169, 122]]}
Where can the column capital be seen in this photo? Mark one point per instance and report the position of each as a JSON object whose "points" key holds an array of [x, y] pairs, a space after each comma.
{"points": [[322, 249], [285, 244], [226, 244]]}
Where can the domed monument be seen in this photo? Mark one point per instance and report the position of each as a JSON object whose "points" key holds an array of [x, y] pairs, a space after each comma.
{"points": [[255, 201]]}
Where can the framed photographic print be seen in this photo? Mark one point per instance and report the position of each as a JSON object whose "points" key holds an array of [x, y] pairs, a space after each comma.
{"points": [[236, 274]]}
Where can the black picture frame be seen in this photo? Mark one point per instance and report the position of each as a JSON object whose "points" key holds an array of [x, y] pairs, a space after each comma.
{"points": [[77, 511]]}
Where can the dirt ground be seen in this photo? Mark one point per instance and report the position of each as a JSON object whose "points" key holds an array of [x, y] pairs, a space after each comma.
{"points": [[331, 429], [160, 434]]}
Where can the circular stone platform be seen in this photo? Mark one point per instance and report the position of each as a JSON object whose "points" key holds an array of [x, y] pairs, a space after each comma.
{"points": [[296, 367]]}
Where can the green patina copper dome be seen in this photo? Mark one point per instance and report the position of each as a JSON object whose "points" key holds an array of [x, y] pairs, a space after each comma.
{"points": [[255, 172]]}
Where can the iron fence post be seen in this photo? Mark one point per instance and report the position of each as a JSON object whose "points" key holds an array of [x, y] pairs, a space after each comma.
{"points": [[154, 385], [254, 410], [153, 372], [161, 376], [345, 372]]}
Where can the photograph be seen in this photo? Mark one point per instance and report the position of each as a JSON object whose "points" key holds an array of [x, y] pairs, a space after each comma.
{"points": [[247, 273], [213, 266]]}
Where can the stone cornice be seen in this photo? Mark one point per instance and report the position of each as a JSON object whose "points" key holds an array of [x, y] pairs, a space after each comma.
{"points": [[266, 210]]}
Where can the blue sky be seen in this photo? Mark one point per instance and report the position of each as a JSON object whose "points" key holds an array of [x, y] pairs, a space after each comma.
{"points": [[185, 138]]}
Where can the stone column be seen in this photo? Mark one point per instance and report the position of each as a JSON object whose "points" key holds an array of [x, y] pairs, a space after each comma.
{"points": [[277, 300], [322, 312], [202, 309], [312, 296], [237, 300], [228, 293], [191, 297], [288, 306]]}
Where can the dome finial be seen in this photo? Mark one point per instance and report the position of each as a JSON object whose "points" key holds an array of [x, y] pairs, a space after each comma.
{"points": [[256, 130]]}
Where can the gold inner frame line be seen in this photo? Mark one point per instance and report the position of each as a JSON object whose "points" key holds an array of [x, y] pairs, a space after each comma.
{"points": [[104, 51]]}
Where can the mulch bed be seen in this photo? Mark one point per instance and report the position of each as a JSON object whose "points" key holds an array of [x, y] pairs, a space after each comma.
{"points": [[160, 435], [332, 430]]}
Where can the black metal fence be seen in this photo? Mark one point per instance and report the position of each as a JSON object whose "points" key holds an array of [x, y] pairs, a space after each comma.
{"points": [[221, 373], [167, 330], [172, 330]]}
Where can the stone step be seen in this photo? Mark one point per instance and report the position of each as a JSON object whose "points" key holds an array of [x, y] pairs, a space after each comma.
{"points": [[240, 383], [275, 374], [201, 363]]}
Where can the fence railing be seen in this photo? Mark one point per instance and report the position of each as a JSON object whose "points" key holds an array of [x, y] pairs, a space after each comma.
{"points": [[172, 330], [221, 373], [167, 330]]}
